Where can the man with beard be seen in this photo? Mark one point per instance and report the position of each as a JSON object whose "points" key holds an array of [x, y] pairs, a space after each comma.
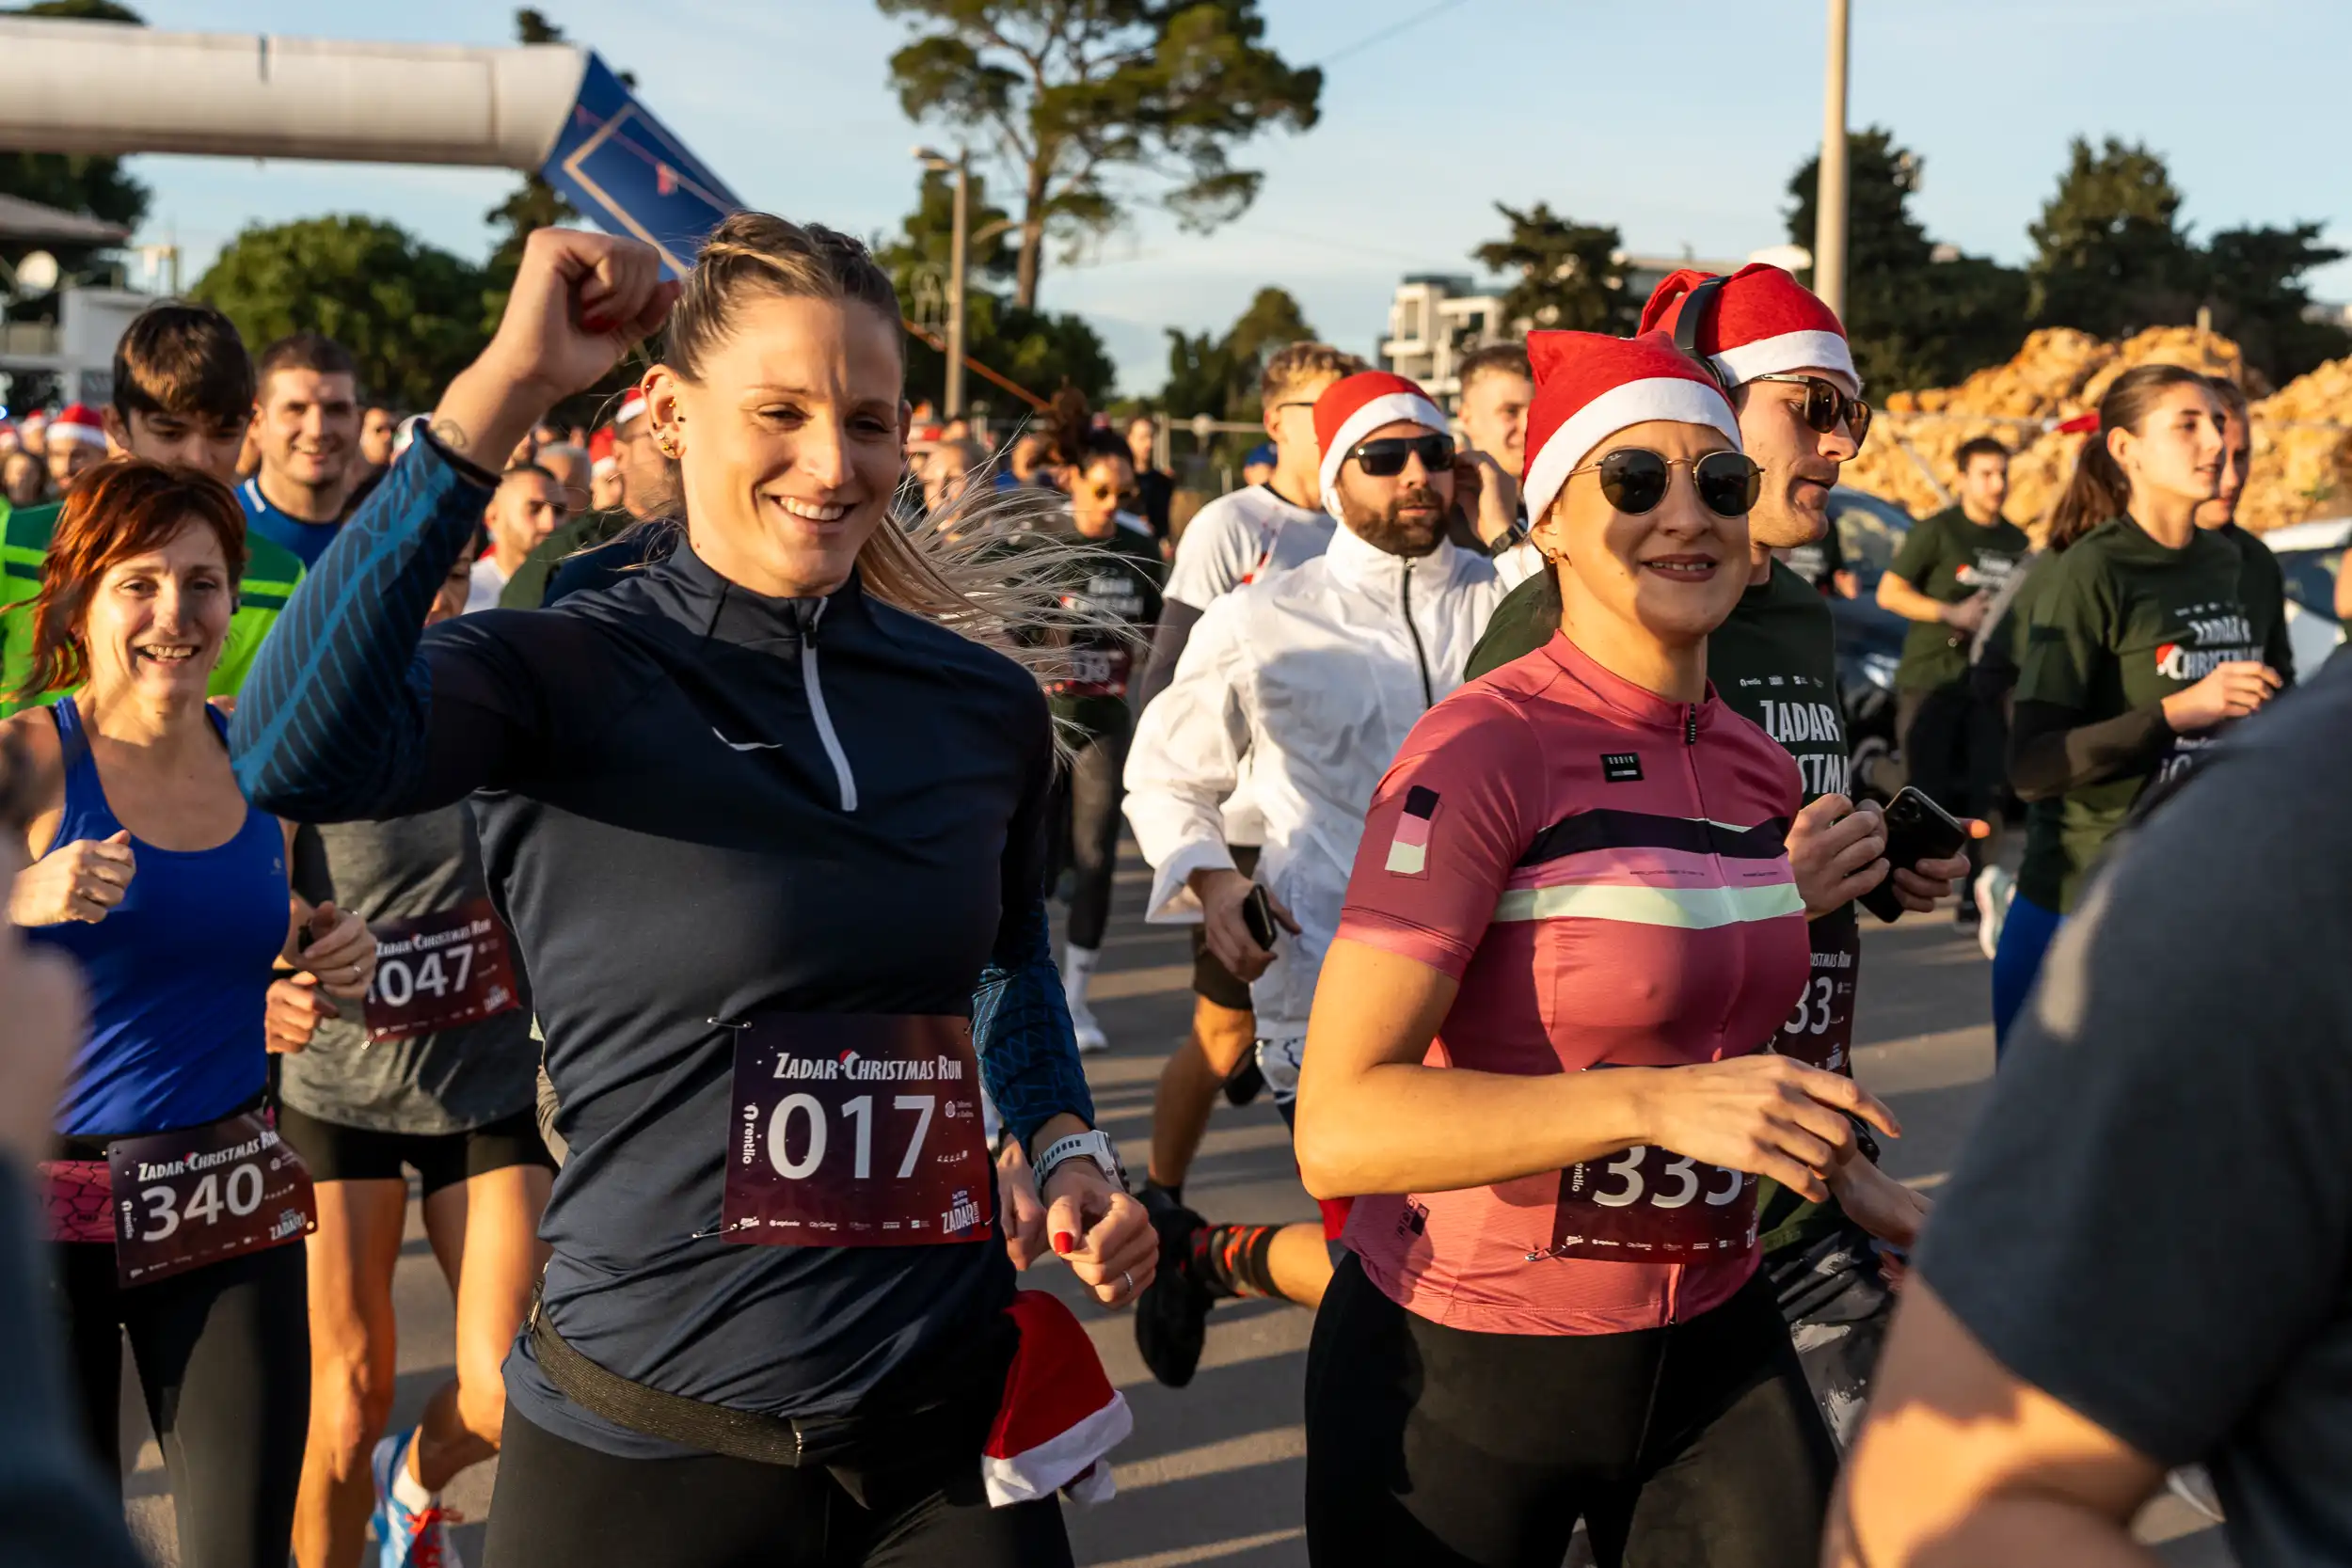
{"points": [[1310, 678], [644, 489], [1783, 355]]}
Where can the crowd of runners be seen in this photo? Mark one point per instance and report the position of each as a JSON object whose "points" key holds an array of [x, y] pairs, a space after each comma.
{"points": [[649, 840]]}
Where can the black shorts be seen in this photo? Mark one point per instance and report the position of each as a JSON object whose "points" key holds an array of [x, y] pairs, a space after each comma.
{"points": [[1211, 980], [337, 1153]]}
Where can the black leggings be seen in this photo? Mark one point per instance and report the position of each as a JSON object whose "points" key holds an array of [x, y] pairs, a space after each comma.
{"points": [[1086, 831], [224, 1360], [560, 1504], [1955, 749], [1695, 1444]]}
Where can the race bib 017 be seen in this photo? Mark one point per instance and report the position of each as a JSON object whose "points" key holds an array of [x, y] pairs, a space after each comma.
{"points": [[440, 970], [188, 1199], [856, 1130]]}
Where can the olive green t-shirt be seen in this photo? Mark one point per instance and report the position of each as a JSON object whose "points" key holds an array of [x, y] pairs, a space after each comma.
{"points": [[1948, 559], [271, 572], [2122, 622], [528, 588], [2264, 586], [1775, 663]]}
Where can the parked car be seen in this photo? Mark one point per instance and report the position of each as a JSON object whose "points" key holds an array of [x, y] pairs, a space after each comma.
{"points": [[2308, 555]]}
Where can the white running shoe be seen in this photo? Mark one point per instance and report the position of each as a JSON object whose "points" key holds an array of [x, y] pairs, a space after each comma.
{"points": [[1092, 1040], [1994, 889]]}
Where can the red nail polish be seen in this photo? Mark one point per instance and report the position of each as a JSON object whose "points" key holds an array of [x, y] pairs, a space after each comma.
{"points": [[1064, 1242]]}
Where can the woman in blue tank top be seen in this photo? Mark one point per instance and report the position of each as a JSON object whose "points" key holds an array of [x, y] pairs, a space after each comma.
{"points": [[171, 1199]]}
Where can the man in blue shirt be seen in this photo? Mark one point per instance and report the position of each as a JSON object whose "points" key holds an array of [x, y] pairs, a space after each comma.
{"points": [[306, 421]]}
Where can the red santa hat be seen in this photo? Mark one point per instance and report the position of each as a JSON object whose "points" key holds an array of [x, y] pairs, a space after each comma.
{"points": [[602, 456], [1353, 407], [633, 407], [79, 422], [1588, 387], [1059, 1418], [1764, 323]]}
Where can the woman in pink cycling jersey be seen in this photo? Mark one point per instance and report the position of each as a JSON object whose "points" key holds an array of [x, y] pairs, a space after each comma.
{"points": [[1576, 864]]}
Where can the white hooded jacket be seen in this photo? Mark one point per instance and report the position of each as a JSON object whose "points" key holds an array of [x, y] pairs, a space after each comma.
{"points": [[1315, 674]]}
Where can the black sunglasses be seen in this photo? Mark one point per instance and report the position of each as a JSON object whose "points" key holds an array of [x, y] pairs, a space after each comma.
{"points": [[1827, 406], [1384, 458], [1634, 480]]}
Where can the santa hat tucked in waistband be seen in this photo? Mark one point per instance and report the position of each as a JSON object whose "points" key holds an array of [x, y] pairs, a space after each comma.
{"points": [[1763, 323], [1353, 407], [601, 459], [1588, 387], [79, 422], [1059, 1418]]}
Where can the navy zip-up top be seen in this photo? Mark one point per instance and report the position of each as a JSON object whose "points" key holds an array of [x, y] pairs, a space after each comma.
{"points": [[695, 804]]}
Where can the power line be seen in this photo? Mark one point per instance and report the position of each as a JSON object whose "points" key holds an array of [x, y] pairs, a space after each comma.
{"points": [[1390, 31]]}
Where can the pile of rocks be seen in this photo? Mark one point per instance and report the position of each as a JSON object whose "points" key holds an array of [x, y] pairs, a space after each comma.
{"points": [[2302, 434]]}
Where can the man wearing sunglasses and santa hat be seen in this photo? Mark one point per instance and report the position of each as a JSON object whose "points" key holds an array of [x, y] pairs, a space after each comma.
{"points": [[1313, 676], [1781, 353]]}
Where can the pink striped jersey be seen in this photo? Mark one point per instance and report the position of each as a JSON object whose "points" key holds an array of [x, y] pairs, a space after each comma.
{"points": [[1605, 873]]}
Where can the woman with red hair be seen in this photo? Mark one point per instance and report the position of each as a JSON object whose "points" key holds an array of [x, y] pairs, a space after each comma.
{"points": [[171, 1199]]}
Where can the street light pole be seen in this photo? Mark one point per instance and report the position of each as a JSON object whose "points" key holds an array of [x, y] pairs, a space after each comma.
{"points": [[1829, 204], [959, 247]]}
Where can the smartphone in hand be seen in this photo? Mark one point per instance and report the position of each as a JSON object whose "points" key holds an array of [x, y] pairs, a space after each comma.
{"points": [[1257, 913], [1916, 829]]}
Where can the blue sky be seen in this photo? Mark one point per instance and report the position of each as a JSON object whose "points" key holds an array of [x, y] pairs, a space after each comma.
{"points": [[1681, 138]]}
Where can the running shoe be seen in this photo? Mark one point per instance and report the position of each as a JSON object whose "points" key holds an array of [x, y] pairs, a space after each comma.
{"points": [[405, 1537], [1092, 1040], [1172, 1314], [1994, 889]]}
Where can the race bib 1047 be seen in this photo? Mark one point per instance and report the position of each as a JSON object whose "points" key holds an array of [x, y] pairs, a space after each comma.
{"points": [[188, 1199], [440, 970], [856, 1130]]}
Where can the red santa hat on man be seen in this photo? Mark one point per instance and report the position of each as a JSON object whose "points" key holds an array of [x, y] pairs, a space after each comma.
{"points": [[1763, 323], [1353, 407], [601, 457], [78, 421], [633, 407], [1588, 387]]}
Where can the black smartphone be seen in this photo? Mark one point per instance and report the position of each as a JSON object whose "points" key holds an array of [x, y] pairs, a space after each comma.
{"points": [[1257, 913], [1916, 829]]}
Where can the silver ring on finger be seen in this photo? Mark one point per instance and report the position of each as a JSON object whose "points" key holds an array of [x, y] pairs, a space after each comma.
{"points": [[1127, 1281]]}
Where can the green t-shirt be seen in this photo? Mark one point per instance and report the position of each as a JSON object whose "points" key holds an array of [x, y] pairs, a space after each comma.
{"points": [[1948, 559], [2121, 624], [1775, 663], [528, 588], [271, 572], [2263, 585]]}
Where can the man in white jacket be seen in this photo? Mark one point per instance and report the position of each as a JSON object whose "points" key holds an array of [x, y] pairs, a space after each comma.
{"points": [[1310, 680]]}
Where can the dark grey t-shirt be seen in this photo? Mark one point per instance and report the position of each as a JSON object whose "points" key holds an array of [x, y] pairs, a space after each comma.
{"points": [[446, 1080], [2153, 1221]]}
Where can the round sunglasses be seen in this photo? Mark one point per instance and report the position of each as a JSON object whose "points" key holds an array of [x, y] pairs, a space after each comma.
{"points": [[1827, 406], [1385, 457], [1634, 480]]}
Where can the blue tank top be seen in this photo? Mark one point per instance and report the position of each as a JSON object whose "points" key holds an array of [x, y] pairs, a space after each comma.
{"points": [[177, 974]]}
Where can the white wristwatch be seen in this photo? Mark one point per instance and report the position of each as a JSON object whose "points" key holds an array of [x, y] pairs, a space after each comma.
{"points": [[1095, 1145]]}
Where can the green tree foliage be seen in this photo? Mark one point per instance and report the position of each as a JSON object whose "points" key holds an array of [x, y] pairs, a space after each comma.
{"points": [[2255, 279], [74, 182], [927, 243], [1914, 321], [1219, 376], [410, 314], [2111, 255], [1570, 274], [1086, 104]]}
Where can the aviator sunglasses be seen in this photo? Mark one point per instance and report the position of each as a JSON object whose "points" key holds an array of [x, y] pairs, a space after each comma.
{"points": [[1827, 406], [1384, 458], [1634, 480]]}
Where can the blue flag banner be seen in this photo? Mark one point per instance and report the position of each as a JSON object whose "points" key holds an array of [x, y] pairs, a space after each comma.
{"points": [[623, 168]]}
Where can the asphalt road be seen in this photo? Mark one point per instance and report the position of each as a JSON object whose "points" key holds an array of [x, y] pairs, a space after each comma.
{"points": [[1214, 1472]]}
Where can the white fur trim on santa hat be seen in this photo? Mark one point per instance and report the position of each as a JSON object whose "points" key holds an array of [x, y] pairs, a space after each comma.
{"points": [[1788, 353], [1385, 409], [604, 466], [1679, 398], [79, 424], [1062, 1460], [631, 407]]}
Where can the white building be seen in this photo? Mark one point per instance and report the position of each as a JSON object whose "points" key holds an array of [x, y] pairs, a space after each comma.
{"points": [[1436, 320]]}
